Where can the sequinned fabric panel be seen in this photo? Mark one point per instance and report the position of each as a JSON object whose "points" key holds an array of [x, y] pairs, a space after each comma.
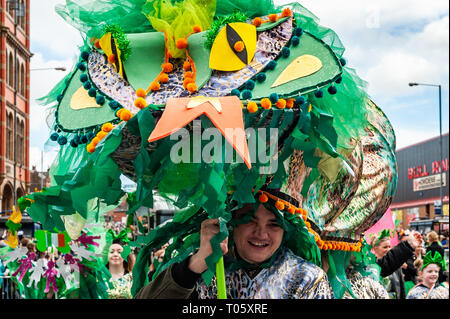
{"points": [[290, 277]]}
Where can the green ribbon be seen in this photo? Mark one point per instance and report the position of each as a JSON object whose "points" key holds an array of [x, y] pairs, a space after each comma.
{"points": [[122, 235], [430, 259], [384, 233]]}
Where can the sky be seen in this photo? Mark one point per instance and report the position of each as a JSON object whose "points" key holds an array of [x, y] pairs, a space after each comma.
{"points": [[389, 44]]}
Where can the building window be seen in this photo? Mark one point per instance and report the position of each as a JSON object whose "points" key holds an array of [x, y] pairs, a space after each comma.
{"points": [[21, 144], [9, 137], [21, 14], [11, 70], [22, 80]]}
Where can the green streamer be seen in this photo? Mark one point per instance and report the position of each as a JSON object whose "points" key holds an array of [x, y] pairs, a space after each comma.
{"points": [[220, 276]]}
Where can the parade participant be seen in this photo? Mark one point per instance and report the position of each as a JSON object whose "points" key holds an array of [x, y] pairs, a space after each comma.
{"points": [[390, 261], [435, 246], [120, 264], [429, 287], [294, 130], [264, 267]]}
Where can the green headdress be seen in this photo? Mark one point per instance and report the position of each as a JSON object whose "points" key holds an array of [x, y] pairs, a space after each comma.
{"points": [[314, 142], [433, 258]]}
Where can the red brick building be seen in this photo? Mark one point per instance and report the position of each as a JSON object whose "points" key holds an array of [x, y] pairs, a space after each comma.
{"points": [[14, 101]]}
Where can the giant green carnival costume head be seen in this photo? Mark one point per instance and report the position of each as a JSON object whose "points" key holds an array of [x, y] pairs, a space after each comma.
{"points": [[215, 105]]}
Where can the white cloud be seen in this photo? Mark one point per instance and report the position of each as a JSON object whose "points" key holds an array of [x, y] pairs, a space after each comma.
{"points": [[50, 32]]}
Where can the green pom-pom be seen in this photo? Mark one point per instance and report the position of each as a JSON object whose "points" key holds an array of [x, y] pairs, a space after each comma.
{"points": [[84, 77], [246, 94], [85, 55], [261, 77], [100, 99], [271, 65], [92, 92], [235, 92], [273, 98]]}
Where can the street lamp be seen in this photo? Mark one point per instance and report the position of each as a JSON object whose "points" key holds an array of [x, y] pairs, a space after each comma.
{"points": [[59, 68], [440, 134]]}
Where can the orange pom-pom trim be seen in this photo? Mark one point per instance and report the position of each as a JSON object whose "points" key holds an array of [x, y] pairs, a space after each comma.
{"points": [[163, 78], [101, 134], [186, 81], [273, 17], [279, 205], [290, 103], [90, 148], [140, 103], [263, 198], [107, 127], [119, 112], [192, 87], [291, 210], [167, 67], [111, 58], [239, 46], [141, 93], [155, 86], [266, 104], [186, 66], [281, 104], [252, 107], [286, 12], [197, 29], [95, 141], [181, 43], [125, 115], [257, 22], [188, 74]]}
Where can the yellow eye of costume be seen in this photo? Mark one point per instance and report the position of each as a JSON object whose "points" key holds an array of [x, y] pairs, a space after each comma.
{"points": [[234, 47]]}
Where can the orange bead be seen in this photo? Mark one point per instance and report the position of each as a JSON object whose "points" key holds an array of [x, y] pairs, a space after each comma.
{"points": [[279, 205], [90, 148], [239, 46], [111, 58], [167, 67], [95, 141], [107, 127], [140, 103], [141, 93], [192, 87], [155, 86], [290, 103], [197, 29], [163, 78], [187, 81], [252, 107], [181, 43], [286, 12], [101, 134], [125, 115], [263, 198], [266, 104], [257, 22], [273, 17], [186, 65], [281, 104]]}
